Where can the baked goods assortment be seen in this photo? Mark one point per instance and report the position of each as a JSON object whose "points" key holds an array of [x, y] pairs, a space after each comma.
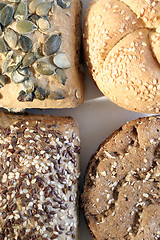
{"points": [[40, 64], [121, 45], [121, 197], [39, 172]]}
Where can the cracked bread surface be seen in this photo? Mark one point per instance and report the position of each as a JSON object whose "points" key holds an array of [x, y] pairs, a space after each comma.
{"points": [[119, 53], [121, 195], [39, 173]]}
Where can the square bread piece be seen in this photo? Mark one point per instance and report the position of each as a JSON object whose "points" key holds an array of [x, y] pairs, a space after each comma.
{"points": [[39, 172], [40, 62]]}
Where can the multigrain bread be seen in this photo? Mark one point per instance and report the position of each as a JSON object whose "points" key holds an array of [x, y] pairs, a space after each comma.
{"points": [[40, 65], [121, 46], [39, 172], [121, 196]]}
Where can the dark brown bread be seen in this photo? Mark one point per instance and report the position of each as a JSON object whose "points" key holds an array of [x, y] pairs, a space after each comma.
{"points": [[121, 196], [39, 172]]}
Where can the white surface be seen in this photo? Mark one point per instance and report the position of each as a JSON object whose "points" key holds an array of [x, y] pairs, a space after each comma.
{"points": [[97, 119]]}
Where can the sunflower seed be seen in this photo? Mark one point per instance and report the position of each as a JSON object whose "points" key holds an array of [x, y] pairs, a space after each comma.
{"points": [[64, 3], [61, 76], [61, 60], [6, 15], [56, 95], [33, 5], [43, 24], [2, 5], [40, 93], [28, 85], [25, 27], [28, 59], [37, 53], [43, 9], [3, 47], [52, 44], [25, 44], [19, 76], [21, 12], [25, 97], [3, 80], [45, 68], [10, 37]]}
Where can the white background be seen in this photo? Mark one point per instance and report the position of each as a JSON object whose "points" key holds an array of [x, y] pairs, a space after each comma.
{"points": [[97, 119]]}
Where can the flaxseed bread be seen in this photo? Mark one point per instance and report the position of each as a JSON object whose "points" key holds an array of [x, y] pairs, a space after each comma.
{"points": [[121, 196], [40, 65], [39, 172], [121, 46]]}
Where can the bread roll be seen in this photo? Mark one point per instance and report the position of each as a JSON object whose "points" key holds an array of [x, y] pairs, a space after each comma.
{"points": [[121, 45], [121, 197], [40, 65], [39, 172]]}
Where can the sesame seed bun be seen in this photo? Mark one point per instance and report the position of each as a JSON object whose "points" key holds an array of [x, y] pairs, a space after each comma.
{"points": [[122, 51]]}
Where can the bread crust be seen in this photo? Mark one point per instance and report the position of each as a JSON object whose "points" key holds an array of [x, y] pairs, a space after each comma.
{"points": [[39, 175], [122, 63], [67, 22], [122, 175]]}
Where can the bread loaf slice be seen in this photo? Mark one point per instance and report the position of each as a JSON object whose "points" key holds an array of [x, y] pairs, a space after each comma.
{"points": [[40, 64], [39, 172]]}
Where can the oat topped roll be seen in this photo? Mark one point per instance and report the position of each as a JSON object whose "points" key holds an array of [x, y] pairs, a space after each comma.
{"points": [[39, 172], [40, 54]]}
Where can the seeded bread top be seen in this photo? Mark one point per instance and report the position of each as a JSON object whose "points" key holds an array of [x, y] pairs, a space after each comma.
{"points": [[121, 197], [40, 54], [39, 172], [121, 45]]}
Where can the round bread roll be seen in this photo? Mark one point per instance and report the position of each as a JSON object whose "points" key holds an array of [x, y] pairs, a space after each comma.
{"points": [[122, 51], [121, 196]]}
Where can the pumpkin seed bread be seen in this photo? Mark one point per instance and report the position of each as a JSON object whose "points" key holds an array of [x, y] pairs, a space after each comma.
{"points": [[40, 65], [121, 197], [121, 45], [39, 172]]}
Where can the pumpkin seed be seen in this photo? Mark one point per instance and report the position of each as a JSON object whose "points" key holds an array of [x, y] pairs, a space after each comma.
{"points": [[28, 59], [8, 59], [3, 80], [21, 12], [25, 44], [64, 3], [10, 37], [33, 5], [56, 95], [3, 47], [52, 44], [61, 60], [14, 1], [45, 68], [25, 97], [19, 76], [34, 18], [37, 53], [2, 5], [28, 85], [40, 93], [43, 24], [6, 15], [61, 76], [43, 9], [0, 30], [25, 27]]}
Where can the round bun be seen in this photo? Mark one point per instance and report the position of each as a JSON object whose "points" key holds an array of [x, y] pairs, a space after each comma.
{"points": [[121, 196], [122, 51]]}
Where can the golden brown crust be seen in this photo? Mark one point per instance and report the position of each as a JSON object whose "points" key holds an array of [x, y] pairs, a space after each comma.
{"points": [[121, 45], [122, 183]]}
